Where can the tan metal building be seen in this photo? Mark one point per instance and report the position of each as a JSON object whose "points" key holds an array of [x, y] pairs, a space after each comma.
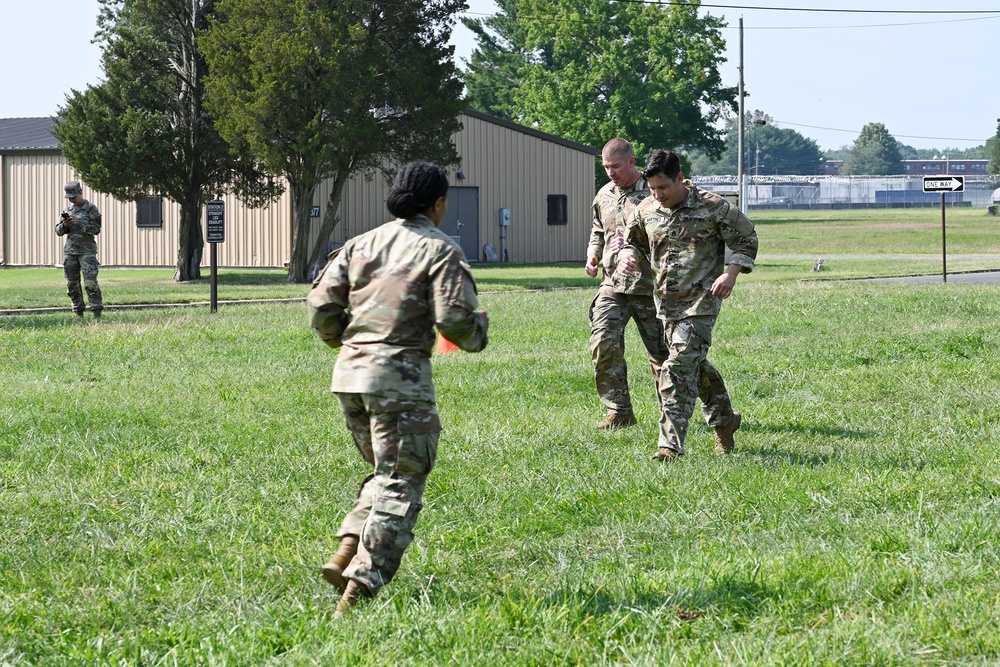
{"points": [[540, 184]]}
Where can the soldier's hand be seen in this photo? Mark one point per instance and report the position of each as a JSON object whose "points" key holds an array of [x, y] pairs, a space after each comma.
{"points": [[617, 243], [591, 266], [627, 266], [723, 285]]}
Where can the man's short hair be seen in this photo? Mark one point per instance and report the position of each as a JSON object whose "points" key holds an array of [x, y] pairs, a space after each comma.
{"points": [[618, 146], [661, 162]]}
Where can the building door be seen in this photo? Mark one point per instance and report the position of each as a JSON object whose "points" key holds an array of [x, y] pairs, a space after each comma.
{"points": [[462, 221]]}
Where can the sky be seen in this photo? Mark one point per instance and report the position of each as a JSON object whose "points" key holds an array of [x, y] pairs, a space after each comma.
{"points": [[928, 77]]}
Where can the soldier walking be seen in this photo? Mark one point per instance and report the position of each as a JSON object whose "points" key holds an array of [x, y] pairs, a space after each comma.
{"points": [[621, 296], [80, 223], [379, 300], [684, 231]]}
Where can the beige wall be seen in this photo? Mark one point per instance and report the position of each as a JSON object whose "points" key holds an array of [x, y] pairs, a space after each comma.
{"points": [[34, 188], [511, 168]]}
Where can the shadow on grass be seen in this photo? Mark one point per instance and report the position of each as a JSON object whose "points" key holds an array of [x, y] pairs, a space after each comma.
{"points": [[728, 595], [490, 284], [793, 458], [252, 278], [804, 429], [68, 322]]}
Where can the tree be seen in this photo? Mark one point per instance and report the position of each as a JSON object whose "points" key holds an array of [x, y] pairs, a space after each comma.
{"points": [[322, 89], [590, 70], [768, 150], [143, 130], [992, 151], [875, 151]]}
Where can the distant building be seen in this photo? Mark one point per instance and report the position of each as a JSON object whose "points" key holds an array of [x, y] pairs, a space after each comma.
{"points": [[943, 165], [831, 167], [541, 184], [940, 165]]}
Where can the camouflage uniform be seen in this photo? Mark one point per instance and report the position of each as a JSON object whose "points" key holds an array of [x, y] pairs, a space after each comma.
{"points": [[381, 297], [686, 246], [80, 254], [619, 299]]}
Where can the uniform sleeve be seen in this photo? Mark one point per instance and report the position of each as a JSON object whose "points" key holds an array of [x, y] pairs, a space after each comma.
{"points": [[62, 229], [739, 234], [596, 245], [328, 301], [453, 292], [92, 225], [636, 241]]}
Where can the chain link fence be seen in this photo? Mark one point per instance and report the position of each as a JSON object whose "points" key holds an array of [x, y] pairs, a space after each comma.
{"points": [[826, 192]]}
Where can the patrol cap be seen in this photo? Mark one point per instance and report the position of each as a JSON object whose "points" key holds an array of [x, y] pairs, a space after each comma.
{"points": [[73, 189]]}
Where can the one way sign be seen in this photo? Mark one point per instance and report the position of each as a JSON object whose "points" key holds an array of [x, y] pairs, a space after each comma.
{"points": [[944, 183]]}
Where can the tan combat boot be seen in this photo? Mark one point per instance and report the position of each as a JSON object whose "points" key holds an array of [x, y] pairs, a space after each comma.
{"points": [[333, 571], [724, 441], [354, 593], [617, 420], [666, 454]]}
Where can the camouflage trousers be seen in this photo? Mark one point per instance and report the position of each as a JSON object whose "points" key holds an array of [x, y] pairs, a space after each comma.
{"points": [[399, 439], [610, 311], [73, 265], [687, 376]]}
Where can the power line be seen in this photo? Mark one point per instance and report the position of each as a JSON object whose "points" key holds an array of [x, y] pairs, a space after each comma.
{"points": [[817, 9], [905, 136]]}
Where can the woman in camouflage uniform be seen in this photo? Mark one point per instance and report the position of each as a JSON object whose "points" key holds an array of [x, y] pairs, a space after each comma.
{"points": [[80, 223], [380, 298]]}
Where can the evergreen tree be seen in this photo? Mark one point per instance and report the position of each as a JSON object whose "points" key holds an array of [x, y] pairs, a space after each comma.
{"points": [[144, 131], [322, 89]]}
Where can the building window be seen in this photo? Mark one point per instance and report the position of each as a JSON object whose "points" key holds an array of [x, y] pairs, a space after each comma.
{"points": [[979, 167], [557, 210], [958, 167], [149, 212]]}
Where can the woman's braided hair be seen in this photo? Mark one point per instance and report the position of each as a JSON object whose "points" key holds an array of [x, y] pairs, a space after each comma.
{"points": [[416, 187]]}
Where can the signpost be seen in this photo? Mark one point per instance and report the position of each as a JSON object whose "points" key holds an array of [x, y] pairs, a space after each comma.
{"points": [[215, 232], [943, 184]]}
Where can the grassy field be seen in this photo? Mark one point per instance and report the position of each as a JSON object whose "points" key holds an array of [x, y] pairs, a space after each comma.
{"points": [[171, 481], [853, 243], [908, 231]]}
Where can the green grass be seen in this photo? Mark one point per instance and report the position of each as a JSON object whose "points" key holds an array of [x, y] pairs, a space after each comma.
{"points": [[172, 480], [878, 231], [877, 242]]}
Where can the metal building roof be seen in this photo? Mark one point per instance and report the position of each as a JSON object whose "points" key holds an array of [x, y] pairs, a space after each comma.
{"points": [[27, 134]]}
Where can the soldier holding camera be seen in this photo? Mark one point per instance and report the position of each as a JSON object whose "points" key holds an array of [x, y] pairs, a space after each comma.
{"points": [[80, 223]]}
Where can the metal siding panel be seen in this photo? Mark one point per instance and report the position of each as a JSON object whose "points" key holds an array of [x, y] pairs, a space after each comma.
{"points": [[510, 168]]}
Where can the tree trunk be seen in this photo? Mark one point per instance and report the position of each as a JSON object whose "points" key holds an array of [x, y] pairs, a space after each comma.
{"points": [[190, 244], [317, 258], [298, 263]]}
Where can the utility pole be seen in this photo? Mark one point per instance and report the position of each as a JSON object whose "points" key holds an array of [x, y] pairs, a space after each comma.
{"points": [[741, 176]]}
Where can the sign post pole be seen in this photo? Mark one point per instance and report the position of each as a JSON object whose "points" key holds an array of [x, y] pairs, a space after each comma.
{"points": [[215, 233], [944, 183], [944, 254]]}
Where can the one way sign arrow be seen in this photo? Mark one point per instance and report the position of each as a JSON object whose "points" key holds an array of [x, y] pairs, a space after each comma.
{"points": [[944, 183]]}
